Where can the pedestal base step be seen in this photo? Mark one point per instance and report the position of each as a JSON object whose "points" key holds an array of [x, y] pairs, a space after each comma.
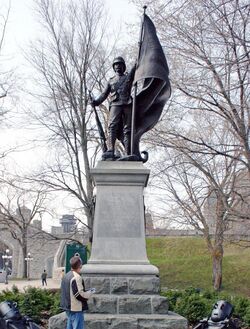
{"points": [[135, 321], [128, 304], [134, 285], [126, 321]]}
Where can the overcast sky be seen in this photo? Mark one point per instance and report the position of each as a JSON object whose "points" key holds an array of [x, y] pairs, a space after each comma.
{"points": [[21, 29], [22, 25]]}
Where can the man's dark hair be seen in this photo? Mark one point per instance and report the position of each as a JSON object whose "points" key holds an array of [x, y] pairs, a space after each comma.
{"points": [[75, 262]]}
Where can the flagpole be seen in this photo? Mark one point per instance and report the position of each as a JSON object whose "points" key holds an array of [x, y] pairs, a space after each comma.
{"points": [[135, 86]]}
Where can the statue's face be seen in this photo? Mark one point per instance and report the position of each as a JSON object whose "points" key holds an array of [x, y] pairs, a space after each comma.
{"points": [[119, 68]]}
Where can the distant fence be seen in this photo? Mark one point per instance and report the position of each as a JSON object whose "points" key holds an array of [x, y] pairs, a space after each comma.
{"points": [[174, 232], [165, 232]]}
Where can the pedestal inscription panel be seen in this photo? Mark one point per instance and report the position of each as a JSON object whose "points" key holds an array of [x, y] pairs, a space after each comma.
{"points": [[119, 219]]}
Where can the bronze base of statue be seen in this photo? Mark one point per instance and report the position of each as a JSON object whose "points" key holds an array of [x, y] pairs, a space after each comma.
{"points": [[131, 157], [111, 156]]}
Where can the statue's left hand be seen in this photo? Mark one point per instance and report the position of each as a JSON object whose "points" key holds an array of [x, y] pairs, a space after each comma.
{"points": [[93, 102]]}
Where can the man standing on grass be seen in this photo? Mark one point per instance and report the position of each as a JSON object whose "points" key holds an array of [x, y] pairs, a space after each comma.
{"points": [[73, 295]]}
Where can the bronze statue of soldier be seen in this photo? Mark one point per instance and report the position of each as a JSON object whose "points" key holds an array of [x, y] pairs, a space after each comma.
{"points": [[130, 118], [120, 106]]}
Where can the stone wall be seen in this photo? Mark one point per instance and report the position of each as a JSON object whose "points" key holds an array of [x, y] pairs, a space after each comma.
{"points": [[43, 248]]}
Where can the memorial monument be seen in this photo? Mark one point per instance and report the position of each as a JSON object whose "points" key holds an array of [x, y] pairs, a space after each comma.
{"points": [[127, 285]]}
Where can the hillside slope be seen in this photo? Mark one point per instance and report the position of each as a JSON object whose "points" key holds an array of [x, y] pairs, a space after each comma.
{"points": [[184, 262]]}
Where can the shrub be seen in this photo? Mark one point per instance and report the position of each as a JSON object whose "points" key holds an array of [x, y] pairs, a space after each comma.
{"points": [[195, 304], [55, 307], [241, 305], [36, 301], [173, 296], [246, 316], [193, 307], [39, 304], [11, 295]]}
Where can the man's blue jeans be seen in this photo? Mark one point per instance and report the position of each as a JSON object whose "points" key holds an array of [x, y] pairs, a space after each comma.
{"points": [[75, 320]]}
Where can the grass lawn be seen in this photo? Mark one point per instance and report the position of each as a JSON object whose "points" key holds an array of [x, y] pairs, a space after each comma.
{"points": [[185, 262]]}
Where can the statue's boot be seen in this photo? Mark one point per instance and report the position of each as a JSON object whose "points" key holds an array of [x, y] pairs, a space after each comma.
{"points": [[109, 155]]}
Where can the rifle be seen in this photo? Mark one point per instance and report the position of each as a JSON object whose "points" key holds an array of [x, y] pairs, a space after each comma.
{"points": [[99, 126]]}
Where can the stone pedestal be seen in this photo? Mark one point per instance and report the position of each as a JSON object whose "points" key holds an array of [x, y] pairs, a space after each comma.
{"points": [[119, 226], [127, 285]]}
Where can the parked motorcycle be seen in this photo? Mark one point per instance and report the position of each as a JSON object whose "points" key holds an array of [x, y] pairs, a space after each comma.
{"points": [[220, 317], [10, 317]]}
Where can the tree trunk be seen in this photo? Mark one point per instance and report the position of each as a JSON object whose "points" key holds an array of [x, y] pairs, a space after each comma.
{"points": [[25, 252], [217, 267], [24, 262]]}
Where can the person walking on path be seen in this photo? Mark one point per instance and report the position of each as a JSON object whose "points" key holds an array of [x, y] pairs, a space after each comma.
{"points": [[6, 276], [73, 295], [44, 278]]}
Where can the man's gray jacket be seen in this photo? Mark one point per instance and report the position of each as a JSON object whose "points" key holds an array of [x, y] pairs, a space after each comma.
{"points": [[73, 294]]}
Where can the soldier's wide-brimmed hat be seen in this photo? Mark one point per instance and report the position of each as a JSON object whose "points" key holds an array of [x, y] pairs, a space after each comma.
{"points": [[119, 59]]}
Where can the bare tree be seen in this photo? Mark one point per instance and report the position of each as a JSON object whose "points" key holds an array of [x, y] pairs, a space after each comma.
{"points": [[8, 74], [207, 45], [190, 178], [3, 26], [18, 208], [70, 60]]}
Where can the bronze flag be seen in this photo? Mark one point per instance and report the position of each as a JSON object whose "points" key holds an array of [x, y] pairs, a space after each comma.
{"points": [[152, 70]]}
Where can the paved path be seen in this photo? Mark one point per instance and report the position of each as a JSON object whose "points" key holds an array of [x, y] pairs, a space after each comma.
{"points": [[21, 284]]}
